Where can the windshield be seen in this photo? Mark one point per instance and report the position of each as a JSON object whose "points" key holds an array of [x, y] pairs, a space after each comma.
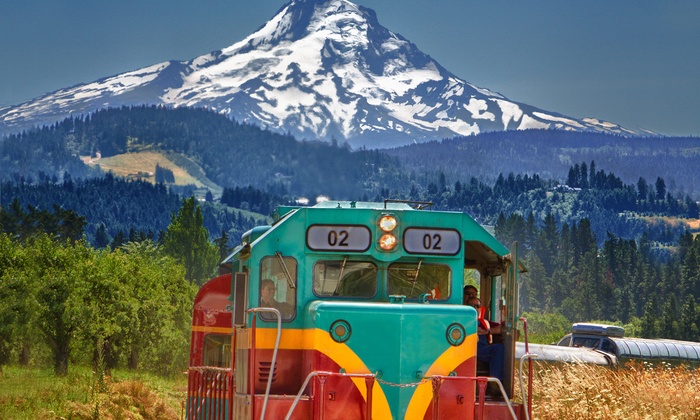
{"points": [[345, 278], [590, 342], [414, 279]]}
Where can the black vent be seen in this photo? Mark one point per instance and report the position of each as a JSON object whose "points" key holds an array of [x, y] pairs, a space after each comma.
{"points": [[264, 372]]}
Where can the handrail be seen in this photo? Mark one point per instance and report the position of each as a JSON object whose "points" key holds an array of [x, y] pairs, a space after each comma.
{"points": [[274, 355], [529, 357], [315, 373], [529, 371]]}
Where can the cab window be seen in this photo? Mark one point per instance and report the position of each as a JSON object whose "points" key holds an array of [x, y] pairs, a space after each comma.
{"points": [[278, 287], [345, 278], [216, 351], [415, 279]]}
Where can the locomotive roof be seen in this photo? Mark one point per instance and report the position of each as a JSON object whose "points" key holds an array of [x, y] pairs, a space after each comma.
{"points": [[481, 247], [389, 205]]}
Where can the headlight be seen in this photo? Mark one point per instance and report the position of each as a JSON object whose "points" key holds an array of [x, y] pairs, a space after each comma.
{"points": [[387, 242], [387, 223]]}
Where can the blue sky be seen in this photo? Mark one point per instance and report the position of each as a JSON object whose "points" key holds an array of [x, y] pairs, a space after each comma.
{"points": [[635, 63]]}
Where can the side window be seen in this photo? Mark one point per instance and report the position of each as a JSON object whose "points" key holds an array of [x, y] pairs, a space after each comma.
{"points": [[566, 341], [278, 286], [590, 342], [345, 278], [608, 346], [414, 279], [216, 351]]}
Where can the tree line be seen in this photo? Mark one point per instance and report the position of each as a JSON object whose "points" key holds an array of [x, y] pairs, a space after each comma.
{"points": [[111, 211], [63, 300], [622, 281]]}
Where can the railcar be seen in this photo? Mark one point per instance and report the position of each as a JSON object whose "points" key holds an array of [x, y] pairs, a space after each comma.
{"points": [[610, 339], [350, 310], [553, 354]]}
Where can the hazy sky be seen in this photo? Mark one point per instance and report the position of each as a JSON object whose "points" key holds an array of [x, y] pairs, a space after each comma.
{"points": [[632, 62]]}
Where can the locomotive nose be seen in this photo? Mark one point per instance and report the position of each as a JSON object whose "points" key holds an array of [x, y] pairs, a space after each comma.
{"points": [[402, 343]]}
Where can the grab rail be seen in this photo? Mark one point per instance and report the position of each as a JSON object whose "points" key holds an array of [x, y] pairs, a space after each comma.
{"points": [[274, 357], [369, 383]]}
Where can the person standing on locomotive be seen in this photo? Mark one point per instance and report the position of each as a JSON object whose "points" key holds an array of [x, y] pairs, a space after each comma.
{"points": [[486, 351]]}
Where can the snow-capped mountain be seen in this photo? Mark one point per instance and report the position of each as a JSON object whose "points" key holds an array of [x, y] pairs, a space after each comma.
{"points": [[318, 69]]}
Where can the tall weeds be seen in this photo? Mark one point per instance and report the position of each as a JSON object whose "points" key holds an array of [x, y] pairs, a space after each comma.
{"points": [[638, 391]]}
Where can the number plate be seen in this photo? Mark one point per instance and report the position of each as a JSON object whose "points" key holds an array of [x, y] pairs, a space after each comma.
{"points": [[432, 241], [338, 238]]}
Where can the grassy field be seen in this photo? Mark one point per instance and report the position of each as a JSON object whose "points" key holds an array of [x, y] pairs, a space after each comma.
{"points": [[561, 392], [38, 394]]}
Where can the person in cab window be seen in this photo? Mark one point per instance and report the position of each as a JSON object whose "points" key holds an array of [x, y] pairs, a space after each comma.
{"points": [[267, 298], [487, 352]]}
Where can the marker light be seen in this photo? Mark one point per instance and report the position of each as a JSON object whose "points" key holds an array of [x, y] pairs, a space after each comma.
{"points": [[455, 334], [387, 242], [340, 331], [387, 223]]}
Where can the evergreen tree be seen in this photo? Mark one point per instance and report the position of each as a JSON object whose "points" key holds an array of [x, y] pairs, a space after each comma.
{"points": [[187, 241], [118, 240], [690, 330], [670, 327], [660, 189], [101, 236], [649, 324], [222, 244]]}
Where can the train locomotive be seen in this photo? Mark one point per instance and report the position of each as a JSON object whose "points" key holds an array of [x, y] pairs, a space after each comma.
{"points": [[353, 310]]}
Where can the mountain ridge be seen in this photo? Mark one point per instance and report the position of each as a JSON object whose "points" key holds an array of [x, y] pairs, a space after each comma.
{"points": [[319, 69]]}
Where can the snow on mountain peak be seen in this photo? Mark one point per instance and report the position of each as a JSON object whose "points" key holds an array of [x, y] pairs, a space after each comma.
{"points": [[318, 69]]}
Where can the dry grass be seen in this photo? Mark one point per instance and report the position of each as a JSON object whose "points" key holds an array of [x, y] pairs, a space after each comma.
{"points": [[124, 400], [692, 224], [561, 392], [27, 393], [636, 392], [142, 164]]}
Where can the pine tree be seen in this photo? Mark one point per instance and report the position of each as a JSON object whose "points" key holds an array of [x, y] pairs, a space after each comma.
{"points": [[101, 236], [187, 241], [222, 244]]}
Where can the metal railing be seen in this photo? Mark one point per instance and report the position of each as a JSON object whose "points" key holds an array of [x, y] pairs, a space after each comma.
{"points": [[209, 392], [322, 375]]}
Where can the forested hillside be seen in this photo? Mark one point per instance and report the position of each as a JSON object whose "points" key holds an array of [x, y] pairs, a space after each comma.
{"points": [[621, 281], [230, 153], [116, 211], [550, 154], [601, 197]]}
